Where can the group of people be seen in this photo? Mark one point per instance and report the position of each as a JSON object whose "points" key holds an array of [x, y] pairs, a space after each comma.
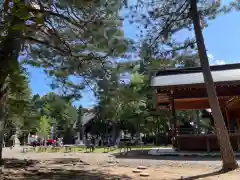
{"points": [[92, 142], [38, 141], [11, 141]]}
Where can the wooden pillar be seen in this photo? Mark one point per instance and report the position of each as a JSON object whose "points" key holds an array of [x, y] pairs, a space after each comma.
{"points": [[174, 121], [82, 130], [198, 122], [238, 140], [238, 125], [157, 129], [173, 110], [208, 144], [228, 120]]}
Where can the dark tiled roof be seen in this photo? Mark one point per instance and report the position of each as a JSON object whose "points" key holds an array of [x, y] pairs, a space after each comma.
{"points": [[87, 116]]}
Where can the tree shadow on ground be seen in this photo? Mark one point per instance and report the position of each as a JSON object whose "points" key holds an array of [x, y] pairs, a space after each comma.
{"points": [[202, 176], [143, 154], [18, 163], [67, 161], [64, 169]]}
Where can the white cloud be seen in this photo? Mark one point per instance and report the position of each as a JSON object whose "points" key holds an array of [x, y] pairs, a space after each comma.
{"points": [[218, 62], [214, 61], [210, 56]]}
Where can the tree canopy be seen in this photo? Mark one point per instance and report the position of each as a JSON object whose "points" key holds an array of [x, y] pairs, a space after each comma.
{"points": [[77, 44]]}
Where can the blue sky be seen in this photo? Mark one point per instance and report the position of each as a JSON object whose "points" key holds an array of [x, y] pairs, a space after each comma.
{"points": [[222, 39]]}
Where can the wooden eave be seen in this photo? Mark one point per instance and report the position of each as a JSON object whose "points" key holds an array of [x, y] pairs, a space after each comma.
{"points": [[185, 92], [233, 104], [195, 103]]}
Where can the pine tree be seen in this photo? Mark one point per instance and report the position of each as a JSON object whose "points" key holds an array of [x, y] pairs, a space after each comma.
{"points": [[161, 20], [64, 44]]}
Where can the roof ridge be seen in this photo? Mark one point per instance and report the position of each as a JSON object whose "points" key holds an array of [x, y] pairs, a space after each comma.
{"points": [[174, 71]]}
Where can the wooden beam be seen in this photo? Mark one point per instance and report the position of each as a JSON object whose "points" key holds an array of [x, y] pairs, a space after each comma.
{"points": [[182, 104], [234, 104], [225, 98], [191, 105], [200, 85], [182, 93]]}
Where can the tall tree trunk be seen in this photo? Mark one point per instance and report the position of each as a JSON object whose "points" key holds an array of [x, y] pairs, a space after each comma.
{"points": [[10, 48], [3, 100], [228, 157], [114, 131]]}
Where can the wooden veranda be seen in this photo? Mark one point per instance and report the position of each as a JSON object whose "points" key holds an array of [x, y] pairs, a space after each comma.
{"points": [[184, 89]]}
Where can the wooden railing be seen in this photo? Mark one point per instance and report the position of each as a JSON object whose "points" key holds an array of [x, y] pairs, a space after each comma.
{"points": [[193, 141]]}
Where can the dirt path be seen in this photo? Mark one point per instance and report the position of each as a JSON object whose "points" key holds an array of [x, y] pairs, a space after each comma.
{"points": [[73, 166], [99, 158]]}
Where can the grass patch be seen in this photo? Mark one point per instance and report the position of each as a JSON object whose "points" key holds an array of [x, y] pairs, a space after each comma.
{"points": [[84, 150]]}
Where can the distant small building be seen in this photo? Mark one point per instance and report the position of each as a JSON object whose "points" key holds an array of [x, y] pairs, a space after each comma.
{"points": [[80, 125], [88, 116]]}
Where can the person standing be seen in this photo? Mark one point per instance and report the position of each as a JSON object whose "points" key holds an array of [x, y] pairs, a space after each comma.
{"points": [[4, 141], [12, 139], [93, 143]]}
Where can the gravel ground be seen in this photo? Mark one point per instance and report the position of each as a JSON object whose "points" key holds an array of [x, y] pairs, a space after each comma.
{"points": [[131, 160], [75, 166]]}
